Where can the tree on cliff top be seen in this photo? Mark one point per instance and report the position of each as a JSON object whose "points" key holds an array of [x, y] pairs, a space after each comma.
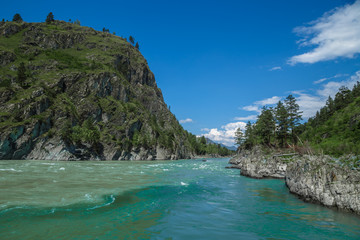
{"points": [[132, 40], [17, 18], [49, 18]]}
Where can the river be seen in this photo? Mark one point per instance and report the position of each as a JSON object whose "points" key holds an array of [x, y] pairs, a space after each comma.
{"points": [[185, 199]]}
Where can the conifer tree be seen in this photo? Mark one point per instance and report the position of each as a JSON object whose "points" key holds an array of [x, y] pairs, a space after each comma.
{"points": [[50, 18], [265, 126], [249, 136], [17, 18], [21, 74], [294, 114], [132, 40], [137, 45], [282, 123], [239, 137]]}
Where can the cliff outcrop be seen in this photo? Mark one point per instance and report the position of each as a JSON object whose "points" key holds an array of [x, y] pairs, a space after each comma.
{"points": [[86, 95]]}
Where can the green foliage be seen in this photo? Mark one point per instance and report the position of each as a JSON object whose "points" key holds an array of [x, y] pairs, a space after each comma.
{"points": [[17, 18], [6, 83], [239, 137], [21, 75], [335, 129], [137, 45], [50, 18], [86, 133], [273, 126], [282, 121], [132, 40], [265, 126]]}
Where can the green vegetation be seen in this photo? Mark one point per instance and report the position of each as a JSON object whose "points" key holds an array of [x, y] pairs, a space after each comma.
{"points": [[335, 129], [21, 74], [50, 18], [90, 88], [273, 128], [17, 18]]}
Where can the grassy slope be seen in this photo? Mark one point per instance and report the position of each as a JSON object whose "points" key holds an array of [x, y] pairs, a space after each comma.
{"points": [[340, 133]]}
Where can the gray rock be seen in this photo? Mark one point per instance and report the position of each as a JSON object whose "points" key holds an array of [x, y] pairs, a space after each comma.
{"points": [[319, 179]]}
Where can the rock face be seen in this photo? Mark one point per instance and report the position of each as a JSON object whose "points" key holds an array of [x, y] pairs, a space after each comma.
{"points": [[88, 95], [257, 164], [313, 178], [318, 179]]}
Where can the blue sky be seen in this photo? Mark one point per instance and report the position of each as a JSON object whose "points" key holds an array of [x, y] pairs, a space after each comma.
{"points": [[217, 62]]}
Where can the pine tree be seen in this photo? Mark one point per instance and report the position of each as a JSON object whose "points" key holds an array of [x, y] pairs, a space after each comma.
{"points": [[50, 18], [137, 45], [17, 18], [282, 123], [132, 40], [21, 74], [294, 114], [249, 136], [265, 126], [239, 137]]}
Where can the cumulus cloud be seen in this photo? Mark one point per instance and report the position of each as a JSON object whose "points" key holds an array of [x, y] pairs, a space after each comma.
{"points": [[226, 134], [268, 101], [310, 103], [256, 107], [335, 34], [252, 108], [247, 118], [275, 68], [188, 120]]}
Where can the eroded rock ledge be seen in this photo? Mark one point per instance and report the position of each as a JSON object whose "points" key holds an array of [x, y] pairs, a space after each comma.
{"points": [[316, 179], [258, 164]]}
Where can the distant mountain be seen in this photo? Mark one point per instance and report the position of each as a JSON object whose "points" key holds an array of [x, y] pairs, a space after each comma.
{"points": [[209, 141]]}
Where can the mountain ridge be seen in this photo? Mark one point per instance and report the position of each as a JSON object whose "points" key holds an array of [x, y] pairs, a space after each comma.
{"points": [[73, 93]]}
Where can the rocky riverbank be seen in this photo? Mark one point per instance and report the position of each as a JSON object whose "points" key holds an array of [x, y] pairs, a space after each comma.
{"points": [[257, 164], [313, 178], [318, 179]]}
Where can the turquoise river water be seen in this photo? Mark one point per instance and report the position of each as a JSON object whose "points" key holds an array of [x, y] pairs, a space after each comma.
{"points": [[186, 199]]}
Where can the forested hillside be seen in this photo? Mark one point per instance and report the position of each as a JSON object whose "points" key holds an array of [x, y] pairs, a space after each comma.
{"points": [[334, 130]]}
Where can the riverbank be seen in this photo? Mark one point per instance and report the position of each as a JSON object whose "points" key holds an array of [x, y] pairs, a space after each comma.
{"points": [[317, 179]]}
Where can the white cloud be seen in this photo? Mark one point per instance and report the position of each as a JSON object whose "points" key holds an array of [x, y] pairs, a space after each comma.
{"points": [[335, 34], [275, 68], [311, 103], [252, 108], [188, 120], [226, 134], [268, 101], [328, 78], [205, 129], [256, 107], [251, 117]]}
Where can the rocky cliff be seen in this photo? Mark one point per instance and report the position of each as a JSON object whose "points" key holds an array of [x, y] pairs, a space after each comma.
{"points": [[320, 179], [257, 164], [72, 93]]}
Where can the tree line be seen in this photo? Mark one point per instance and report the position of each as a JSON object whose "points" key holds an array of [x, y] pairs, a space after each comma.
{"points": [[274, 127]]}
